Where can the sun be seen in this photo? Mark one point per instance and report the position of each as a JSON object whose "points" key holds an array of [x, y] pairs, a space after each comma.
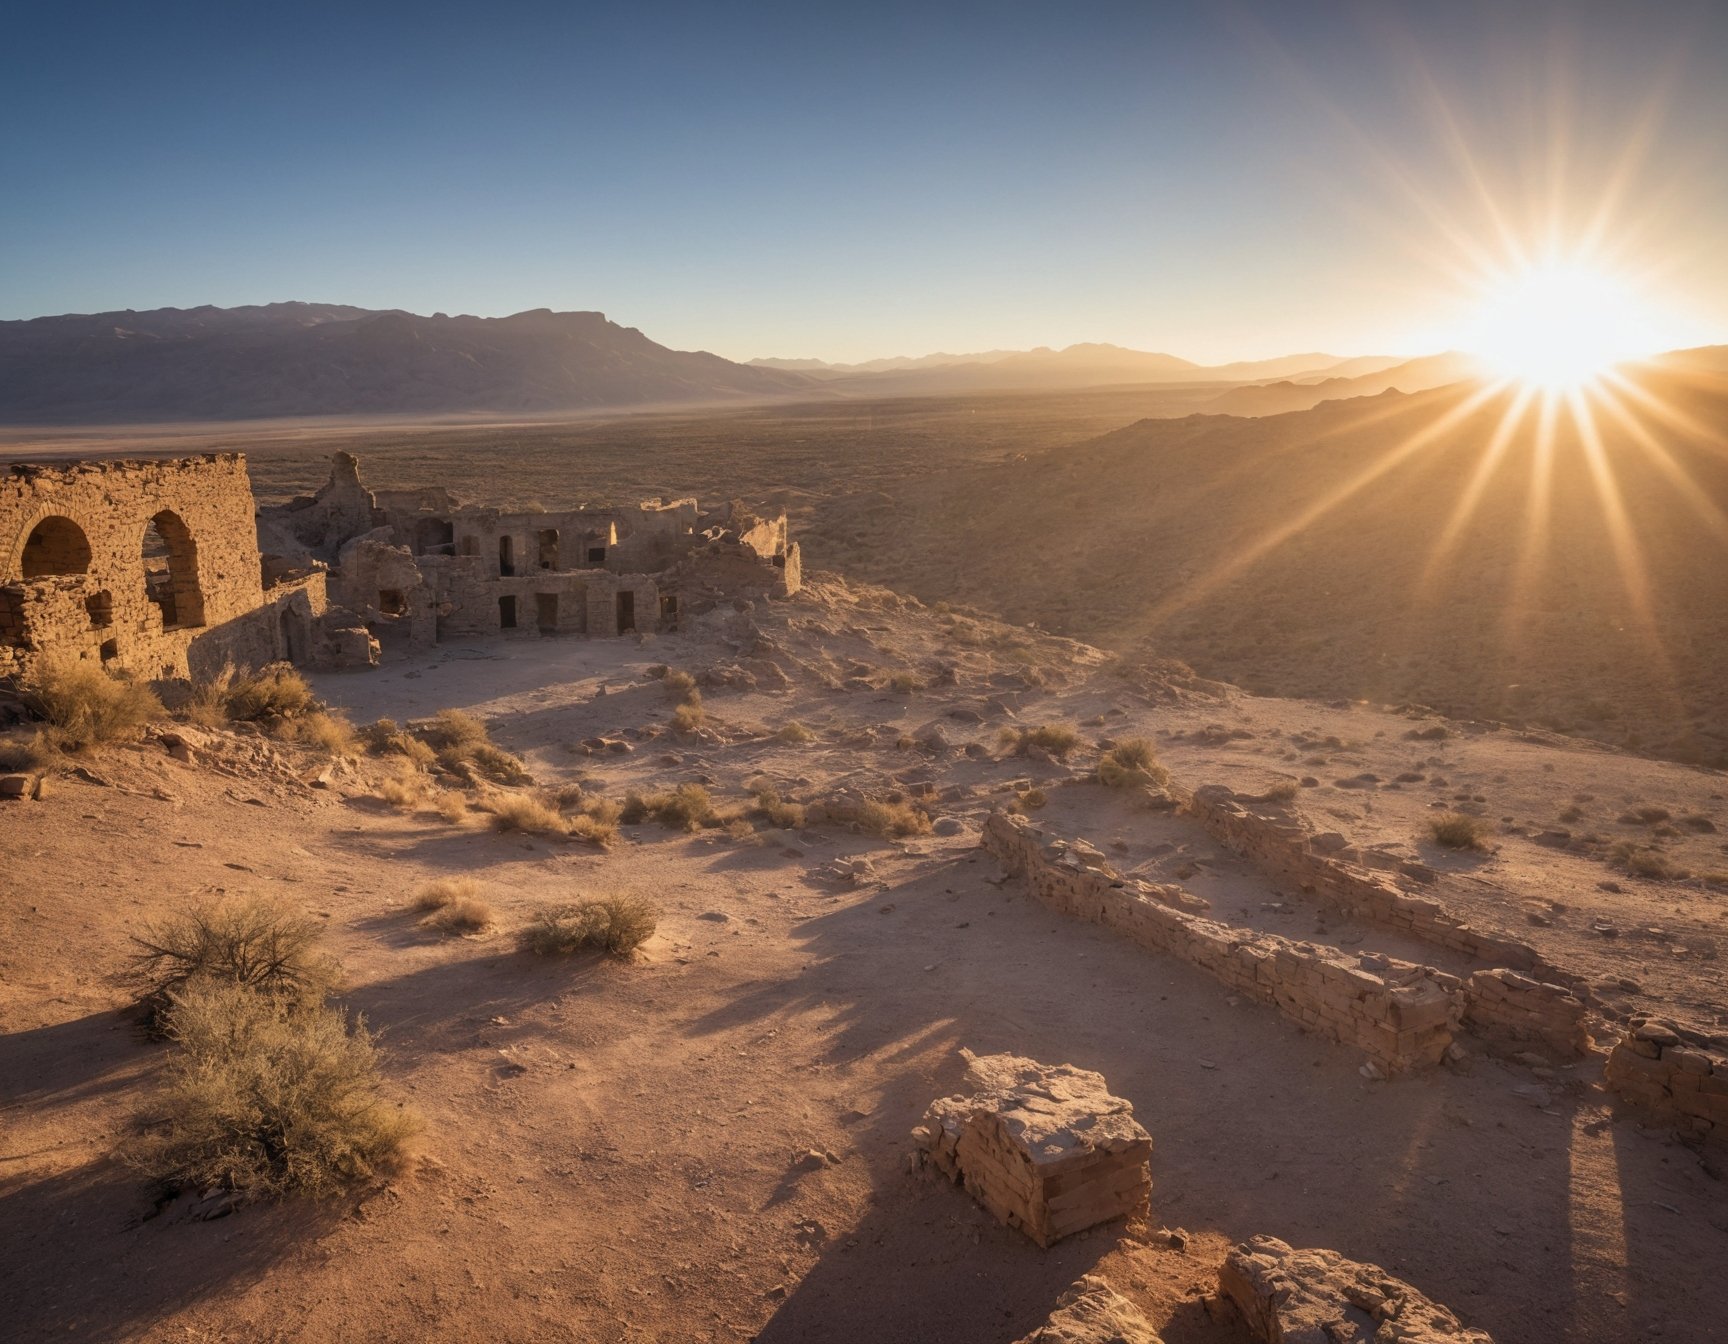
{"points": [[1558, 326]]}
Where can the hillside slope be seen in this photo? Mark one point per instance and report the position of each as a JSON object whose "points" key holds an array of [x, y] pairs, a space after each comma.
{"points": [[297, 359]]}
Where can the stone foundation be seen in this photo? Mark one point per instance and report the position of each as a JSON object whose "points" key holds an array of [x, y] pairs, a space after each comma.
{"points": [[1045, 1148], [1289, 1296], [1669, 1074], [1510, 1011], [1401, 1015]]}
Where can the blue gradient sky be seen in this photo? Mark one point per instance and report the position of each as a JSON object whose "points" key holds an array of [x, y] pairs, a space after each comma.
{"points": [[1220, 181]]}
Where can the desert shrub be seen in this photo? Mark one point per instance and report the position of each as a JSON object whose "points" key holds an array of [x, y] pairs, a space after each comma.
{"points": [[1132, 765], [405, 789], [266, 1101], [465, 914], [1435, 733], [83, 706], [681, 686], [1282, 792], [1571, 814], [904, 683], [740, 831], [436, 895], [522, 812], [324, 730], [274, 692], [451, 806], [24, 752], [1644, 816], [614, 924], [1646, 861], [795, 734], [254, 943], [774, 810], [892, 820], [595, 828], [567, 797], [686, 808], [454, 729], [1455, 830], [495, 763], [385, 738], [1056, 738], [1031, 800], [688, 717]]}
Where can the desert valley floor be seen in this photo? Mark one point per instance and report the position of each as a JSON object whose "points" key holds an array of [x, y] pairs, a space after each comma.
{"points": [[711, 1141]]}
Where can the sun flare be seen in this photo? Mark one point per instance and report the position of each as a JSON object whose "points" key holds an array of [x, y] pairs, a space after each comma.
{"points": [[1559, 326]]}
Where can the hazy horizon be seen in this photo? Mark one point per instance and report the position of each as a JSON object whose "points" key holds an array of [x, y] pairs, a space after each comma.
{"points": [[787, 183]]}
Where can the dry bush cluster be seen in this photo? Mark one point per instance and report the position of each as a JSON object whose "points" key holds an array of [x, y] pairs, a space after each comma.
{"points": [[1056, 739], [688, 715], [1456, 830], [270, 1091], [617, 925], [564, 813], [454, 905], [1646, 861], [452, 740], [1133, 765], [795, 734], [278, 699], [82, 706]]}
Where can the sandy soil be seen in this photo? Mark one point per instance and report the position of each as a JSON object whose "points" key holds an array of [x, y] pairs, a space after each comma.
{"points": [[623, 1151]]}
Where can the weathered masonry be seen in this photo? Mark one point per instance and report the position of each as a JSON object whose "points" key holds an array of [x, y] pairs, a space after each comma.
{"points": [[419, 566], [148, 567]]}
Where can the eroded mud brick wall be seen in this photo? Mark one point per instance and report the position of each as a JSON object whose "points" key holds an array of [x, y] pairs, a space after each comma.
{"points": [[1402, 1015], [1673, 1077], [146, 566]]}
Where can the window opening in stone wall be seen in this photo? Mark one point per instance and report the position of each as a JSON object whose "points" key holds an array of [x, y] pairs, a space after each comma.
{"points": [[393, 602], [110, 650], [506, 558], [171, 571], [100, 608], [596, 555], [626, 612], [55, 545], [435, 536], [507, 613], [549, 548]]}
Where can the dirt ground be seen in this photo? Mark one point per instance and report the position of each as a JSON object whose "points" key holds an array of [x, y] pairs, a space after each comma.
{"points": [[711, 1142]]}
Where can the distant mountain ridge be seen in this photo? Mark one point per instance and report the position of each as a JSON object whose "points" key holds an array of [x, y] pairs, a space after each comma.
{"points": [[314, 359], [1090, 364]]}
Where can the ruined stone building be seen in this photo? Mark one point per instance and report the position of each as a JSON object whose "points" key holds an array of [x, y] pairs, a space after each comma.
{"points": [[165, 569], [419, 566], [148, 567]]}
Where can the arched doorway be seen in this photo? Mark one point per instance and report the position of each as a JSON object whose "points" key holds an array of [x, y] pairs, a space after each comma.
{"points": [[55, 545], [171, 571]]}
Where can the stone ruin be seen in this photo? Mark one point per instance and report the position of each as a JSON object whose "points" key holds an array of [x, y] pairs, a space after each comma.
{"points": [[1045, 1148], [165, 569], [418, 566]]}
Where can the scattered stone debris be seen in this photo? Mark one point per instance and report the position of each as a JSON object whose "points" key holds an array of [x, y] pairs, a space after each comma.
{"points": [[1046, 1148]]}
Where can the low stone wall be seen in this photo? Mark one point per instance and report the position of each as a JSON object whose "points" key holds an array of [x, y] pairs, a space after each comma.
{"points": [[1666, 1072], [1321, 865], [1511, 1010], [1401, 1014]]}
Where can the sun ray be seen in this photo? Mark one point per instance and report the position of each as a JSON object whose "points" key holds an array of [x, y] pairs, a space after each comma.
{"points": [[1491, 458]]}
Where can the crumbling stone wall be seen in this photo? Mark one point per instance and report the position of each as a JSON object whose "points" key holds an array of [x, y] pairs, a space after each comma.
{"points": [[1671, 1074], [1545, 1004], [77, 582], [1401, 1015]]}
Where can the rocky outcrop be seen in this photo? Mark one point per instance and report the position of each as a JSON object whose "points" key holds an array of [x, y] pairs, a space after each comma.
{"points": [[1290, 1296], [1091, 1312]]}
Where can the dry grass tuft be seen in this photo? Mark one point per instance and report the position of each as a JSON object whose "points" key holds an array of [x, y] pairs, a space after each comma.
{"points": [[264, 1100], [1058, 739], [25, 752], [892, 821], [904, 683], [84, 707], [1646, 861], [1455, 830], [686, 808], [777, 812], [795, 734], [406, 789], [451, 806], [436, 895], [253, 943], [385, 738], [681, 686], [613, 924], [688, 717], [464, 914], [1133, 765], [522, 812]]}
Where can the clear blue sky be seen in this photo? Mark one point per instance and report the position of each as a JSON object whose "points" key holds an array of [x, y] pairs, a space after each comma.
{"points": [[1220, 181]]}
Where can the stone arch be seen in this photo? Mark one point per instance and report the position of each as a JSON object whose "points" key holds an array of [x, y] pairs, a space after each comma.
{"points": [[56, 545], [171, 571]]}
